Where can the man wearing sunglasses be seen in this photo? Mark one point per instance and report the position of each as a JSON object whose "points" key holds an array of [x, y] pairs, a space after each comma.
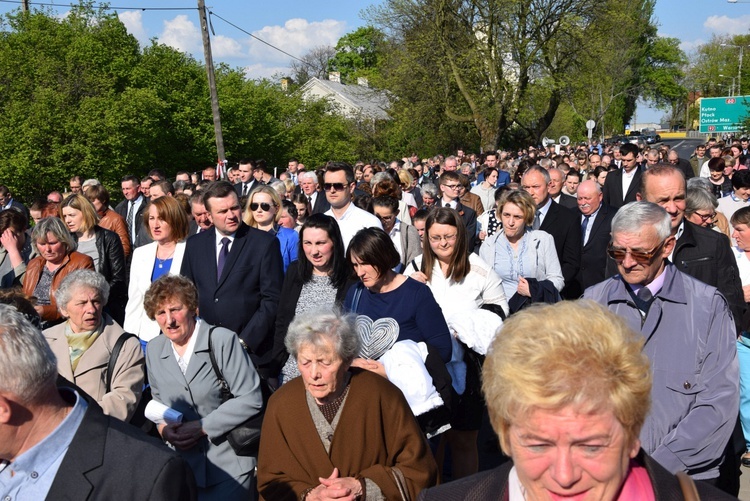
{"points": [[689, 338], [339, 187]]}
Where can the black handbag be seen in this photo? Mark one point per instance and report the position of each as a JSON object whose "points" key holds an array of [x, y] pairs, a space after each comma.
{"points": [[139, 416], [245, 438]]}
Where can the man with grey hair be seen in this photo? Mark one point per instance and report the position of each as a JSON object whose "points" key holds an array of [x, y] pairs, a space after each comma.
{"points": [[689, 337], [309, 186], [56, 443], [596, 223], [556, 182]]}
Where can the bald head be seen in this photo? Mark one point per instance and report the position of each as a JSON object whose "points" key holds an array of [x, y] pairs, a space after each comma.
{"points": [[589, 197]]}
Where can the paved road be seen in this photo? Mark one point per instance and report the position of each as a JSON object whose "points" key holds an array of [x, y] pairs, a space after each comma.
{"points": [[684, 147]]}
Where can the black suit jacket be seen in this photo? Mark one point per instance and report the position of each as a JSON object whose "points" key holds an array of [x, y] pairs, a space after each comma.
{"points": [[707, 255], [687, 169], [469, 217], [568, 201], [594, 252], [564, 226], [612, 189], [321, 203], [245, 298], [141, 236], [238, 187], [103, 449], [493, 484]]}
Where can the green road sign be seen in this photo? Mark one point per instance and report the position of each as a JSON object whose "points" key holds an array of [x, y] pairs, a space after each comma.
{"points": [[723, 114]]}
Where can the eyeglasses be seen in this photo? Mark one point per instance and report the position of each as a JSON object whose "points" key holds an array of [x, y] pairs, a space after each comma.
{"points": [[264, 206], [639, 257], [386, 218], [452, 186], [334, 186], [436, 239], [705, 217]]}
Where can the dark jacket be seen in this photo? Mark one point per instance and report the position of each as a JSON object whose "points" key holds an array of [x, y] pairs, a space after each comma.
{"points": [[493, 484], [141, 236], [707, 255], [103, 448], [290, 291], [112, 268], [562, 223], [612, 189], [594, 253]]}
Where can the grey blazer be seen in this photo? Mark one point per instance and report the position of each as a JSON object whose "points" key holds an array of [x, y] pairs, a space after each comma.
{"points": [[411, 246], [196, 395]]}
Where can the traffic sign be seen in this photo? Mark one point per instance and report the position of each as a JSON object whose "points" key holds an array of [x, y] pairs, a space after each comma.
{"points": [[723, 114]]}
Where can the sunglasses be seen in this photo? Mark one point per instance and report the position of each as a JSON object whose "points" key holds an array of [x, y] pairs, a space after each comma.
{"points": [[334, 186], [264, 206], [640, 257]]}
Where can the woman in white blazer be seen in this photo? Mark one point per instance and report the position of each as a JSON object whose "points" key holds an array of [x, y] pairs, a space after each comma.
{"points": [[167, 224]]}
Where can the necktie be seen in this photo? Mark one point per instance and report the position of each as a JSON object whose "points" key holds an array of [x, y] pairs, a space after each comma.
{"points": [[584, 225], [223, 253], [644, 294], [244, 189], [309, 200], [537, 220], [129, 220]]}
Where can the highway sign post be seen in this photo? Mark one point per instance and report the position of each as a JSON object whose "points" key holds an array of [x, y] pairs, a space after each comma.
{"points": [[723, 114]]}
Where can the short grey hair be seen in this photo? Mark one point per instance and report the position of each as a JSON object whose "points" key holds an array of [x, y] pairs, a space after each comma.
{"points": [[311, 176], [378, 177], [318, 327], [280, 188], [58, 229], [632, 217], [699, 199], [27, 364], [430, 190], [81, 278], [699, 182], [90, 182], [539, 169]]}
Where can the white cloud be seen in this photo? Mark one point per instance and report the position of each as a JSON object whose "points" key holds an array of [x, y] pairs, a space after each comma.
{"points": [[260, 70], [296, 37], [182, 34], [224, 47], [133, 21], [689, 46], [725, 25]]}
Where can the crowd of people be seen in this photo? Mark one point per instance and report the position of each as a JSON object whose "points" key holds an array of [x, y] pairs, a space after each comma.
{"points": [[387, 309]]}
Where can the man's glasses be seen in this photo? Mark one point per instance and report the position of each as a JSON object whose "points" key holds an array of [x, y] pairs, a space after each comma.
{"points": [[452, 186], [264, 206], [334, 186], [640, 257]]}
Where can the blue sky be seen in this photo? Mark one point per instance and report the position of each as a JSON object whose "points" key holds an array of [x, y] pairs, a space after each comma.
{"points": [[299, 25]]}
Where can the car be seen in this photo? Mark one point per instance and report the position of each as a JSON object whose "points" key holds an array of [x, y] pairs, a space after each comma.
{"points": [[638, 140], [652, 137]]}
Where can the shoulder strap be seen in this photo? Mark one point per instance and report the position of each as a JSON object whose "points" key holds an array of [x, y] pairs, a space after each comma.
{"points": [[113, 358], [689, 491], [215, 366]]}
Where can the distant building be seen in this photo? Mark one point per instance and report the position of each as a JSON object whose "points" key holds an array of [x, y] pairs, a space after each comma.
{"points": [[354, 101]]}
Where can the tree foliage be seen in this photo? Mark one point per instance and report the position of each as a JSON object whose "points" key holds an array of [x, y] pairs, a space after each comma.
{"points": [[359, 54], [78, 95]]}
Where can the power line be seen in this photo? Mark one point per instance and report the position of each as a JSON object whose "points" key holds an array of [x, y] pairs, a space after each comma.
{"points": [[108, 7], [260, 39]]}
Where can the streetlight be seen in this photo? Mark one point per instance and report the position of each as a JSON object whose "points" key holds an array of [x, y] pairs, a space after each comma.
{"points": [[731, 93], [739, 71]]}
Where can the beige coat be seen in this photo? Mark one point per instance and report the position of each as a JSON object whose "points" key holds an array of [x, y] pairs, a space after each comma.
{"points": [[90, 375]]}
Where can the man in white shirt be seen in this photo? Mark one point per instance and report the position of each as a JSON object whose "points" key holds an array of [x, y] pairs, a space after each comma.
{"points": [[339, 187]]}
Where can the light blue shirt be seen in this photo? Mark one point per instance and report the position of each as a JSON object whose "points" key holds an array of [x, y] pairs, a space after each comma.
{"points": [[30, 476]]}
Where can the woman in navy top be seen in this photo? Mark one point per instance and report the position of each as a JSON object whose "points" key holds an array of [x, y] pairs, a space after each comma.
{"points": [[384, 293]]}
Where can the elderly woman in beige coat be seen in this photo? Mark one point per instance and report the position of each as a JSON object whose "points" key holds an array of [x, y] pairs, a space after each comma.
{"points": [[83, 345]]}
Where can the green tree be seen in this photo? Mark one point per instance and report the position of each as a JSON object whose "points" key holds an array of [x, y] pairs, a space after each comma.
{"points": [[359, 54]]}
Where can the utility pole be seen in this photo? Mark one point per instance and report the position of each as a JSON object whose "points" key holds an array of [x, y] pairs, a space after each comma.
{"points": [[25, 5], [211, 81]]}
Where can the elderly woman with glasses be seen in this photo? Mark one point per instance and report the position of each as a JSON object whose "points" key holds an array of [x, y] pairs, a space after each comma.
{"points": [[263, 211], [338, 432], [84, 343], [44, 274]]}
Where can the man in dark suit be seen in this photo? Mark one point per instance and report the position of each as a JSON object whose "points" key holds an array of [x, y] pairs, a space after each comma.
{"points": [[238, 271], [556, 181], [681, 163], [131, 209], [308, 182], [247, 181], [39, 423], [450, 188], [596, 223], [559, 222], [8, 202], [201, 220], [629, 177]]}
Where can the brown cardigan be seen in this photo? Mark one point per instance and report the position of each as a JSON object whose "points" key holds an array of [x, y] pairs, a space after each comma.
{"points": [[375, 433], [73, 261]]}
